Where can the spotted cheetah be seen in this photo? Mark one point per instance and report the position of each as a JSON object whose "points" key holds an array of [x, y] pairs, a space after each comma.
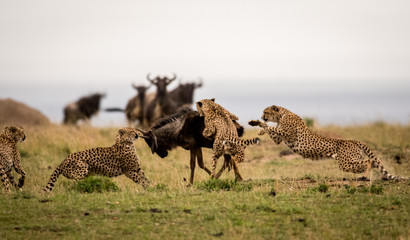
{"points": [[121, 158], [219, 123], [10, 156], [352, 156]]}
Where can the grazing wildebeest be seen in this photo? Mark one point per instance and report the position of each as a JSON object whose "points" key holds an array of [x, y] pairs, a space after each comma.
{"points": [[162, 105], [183, 129], [83, 109], [184, 93]]}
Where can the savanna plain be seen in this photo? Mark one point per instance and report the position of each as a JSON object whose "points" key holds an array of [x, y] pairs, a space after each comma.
{"points": [[284, 196]]}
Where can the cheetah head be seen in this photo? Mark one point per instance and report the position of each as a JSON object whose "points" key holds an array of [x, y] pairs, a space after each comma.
{"points": [[272, 114], [127, 135], [14, 133], [204, 106]]}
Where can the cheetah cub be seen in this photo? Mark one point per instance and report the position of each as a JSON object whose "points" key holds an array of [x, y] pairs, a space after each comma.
{"points": [[121, 158]]}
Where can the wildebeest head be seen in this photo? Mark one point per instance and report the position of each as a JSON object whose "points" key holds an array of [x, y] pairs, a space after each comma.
{"points": [[161, 82], [141, 90], [184, 93]]}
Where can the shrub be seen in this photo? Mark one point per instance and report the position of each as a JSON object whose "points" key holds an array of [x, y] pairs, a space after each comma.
{"points": [[96, 184], [309, 122], [323, 188]]}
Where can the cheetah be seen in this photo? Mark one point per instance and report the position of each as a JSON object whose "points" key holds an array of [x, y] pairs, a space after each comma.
{"points": [[219, 124], [351, 155], [10, 156], [121, 158]]}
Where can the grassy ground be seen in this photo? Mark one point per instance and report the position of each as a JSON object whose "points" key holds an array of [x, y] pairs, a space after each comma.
{"points": [[283, 197]]}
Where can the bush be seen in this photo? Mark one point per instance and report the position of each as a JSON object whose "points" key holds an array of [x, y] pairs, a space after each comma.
{"points": [[96, 184], [309, 122], [323, 188]]}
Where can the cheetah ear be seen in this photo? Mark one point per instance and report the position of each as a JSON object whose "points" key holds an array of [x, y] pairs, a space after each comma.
{"points": [[11, 129], [274, 108], [213, 99], [199, 104], [121, 132]]}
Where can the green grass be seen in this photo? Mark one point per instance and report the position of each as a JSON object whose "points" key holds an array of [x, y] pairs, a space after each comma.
{"points": [[281, 198]]}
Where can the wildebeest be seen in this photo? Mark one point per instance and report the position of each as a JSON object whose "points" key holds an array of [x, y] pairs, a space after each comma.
{"points": [[183, 129], [162, 105], [83, 109], [184, 93], [134, 110]]}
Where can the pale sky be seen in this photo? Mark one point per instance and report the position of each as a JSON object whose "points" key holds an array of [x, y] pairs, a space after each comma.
{"points": [[119, 42]]}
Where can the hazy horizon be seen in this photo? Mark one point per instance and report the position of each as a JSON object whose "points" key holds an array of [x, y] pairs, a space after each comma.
{"points": [[269, 52]]}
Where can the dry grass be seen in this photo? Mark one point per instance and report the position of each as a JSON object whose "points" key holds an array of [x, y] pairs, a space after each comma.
{"points": [[281, 195]]}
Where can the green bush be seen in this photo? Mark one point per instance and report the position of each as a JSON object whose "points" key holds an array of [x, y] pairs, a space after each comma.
{"points": [[309, 122], [96, 184], [323, 188]]}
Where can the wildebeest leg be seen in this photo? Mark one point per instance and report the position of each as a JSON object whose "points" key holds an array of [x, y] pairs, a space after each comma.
{"points": [[192, 164], [200, 160]]}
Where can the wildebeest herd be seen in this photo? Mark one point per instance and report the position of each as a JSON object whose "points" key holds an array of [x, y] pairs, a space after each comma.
{"points": [[142, 109], [170, 122]]}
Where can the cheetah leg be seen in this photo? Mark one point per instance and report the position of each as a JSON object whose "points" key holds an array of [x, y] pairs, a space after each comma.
{"points": [[214, 162], [19, 170], [239, 157], [11, 179], [72, 170], [138, 176], [5, 180], [76, 170], [218, 150], [238, 176], [227, 162], [368, 168]]}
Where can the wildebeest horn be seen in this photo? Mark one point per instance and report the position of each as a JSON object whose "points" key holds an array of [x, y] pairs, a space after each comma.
{"points": [[141, 131], [149, 79], [172, 79]]}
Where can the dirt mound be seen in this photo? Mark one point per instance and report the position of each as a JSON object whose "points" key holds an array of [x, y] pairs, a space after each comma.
{"points": [[16, 113]]}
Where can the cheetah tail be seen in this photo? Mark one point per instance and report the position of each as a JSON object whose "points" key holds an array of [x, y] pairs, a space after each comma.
{"points": [[376, 163], [53, 179], [243, 142]]}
